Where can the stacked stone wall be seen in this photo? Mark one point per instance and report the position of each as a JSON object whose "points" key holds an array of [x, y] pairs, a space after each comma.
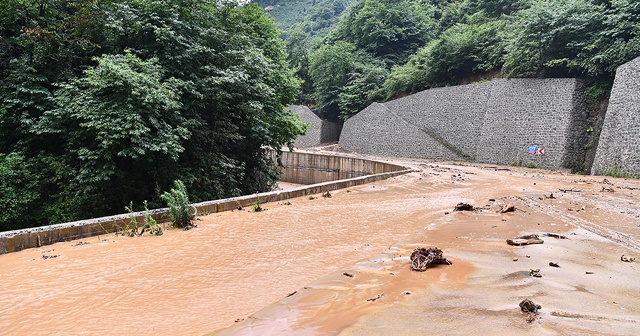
{"points": [[546, 113], [377, 130], [618, 151], [319, 131], [453, 113], [492, 122]]}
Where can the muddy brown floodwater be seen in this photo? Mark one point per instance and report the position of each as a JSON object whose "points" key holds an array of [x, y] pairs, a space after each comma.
{"points": [[340, 265]]}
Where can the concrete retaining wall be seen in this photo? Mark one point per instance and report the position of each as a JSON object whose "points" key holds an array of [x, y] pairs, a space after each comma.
{"points": [[618, 150], [493, 122], [319, 131], [299, 168]]}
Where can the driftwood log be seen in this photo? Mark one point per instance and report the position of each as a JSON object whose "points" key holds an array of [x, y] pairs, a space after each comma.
{"points": [[525, 240], [422, 258]]}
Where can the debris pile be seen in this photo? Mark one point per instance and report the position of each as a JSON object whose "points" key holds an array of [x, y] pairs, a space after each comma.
{"points": [[463, 207], [535, 273], [531, 309], [525, 240], [422, 258]]}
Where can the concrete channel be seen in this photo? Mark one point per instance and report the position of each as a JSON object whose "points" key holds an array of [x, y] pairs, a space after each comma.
{"points": [[319, 173]]}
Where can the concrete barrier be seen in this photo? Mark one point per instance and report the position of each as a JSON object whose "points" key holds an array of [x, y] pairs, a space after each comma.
{"points": [[326, 172]]}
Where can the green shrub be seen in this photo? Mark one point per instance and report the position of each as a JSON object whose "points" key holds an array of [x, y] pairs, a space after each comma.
{"points": [[178, 202]]}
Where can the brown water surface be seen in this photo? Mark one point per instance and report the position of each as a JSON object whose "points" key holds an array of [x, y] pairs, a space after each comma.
{"points": [[244, 266]]}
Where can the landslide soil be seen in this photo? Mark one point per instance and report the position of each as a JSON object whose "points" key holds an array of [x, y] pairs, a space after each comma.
{"points": [[282, 271]]}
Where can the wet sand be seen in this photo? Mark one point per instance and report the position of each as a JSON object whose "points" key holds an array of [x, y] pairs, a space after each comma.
{"points": [[281, 271]]}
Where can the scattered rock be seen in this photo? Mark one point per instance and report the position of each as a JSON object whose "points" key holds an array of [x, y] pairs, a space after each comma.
{"points": [[528, 256], [627, 259], [406, 293], [45, 257], [587, 272], [535, 273], [238, 320], [550, 196], [463, 207], [378, 297], [507, 208], [348, 274], [525, 240], [422, 258], [327, 194], [553, 264], [515, 259]]}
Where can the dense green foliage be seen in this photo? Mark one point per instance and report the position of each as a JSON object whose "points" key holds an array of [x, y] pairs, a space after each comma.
{"points": [[393, 48], [107, 102]]}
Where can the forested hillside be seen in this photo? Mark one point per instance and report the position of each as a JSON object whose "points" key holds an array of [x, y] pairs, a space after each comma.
{"points": [[103, 103], [380, 49]]}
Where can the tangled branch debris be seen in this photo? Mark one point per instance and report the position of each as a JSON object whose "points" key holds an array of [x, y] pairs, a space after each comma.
{"points": [[525, 240], [463, 207], [422, 258], [627, 259], [531, 309]]}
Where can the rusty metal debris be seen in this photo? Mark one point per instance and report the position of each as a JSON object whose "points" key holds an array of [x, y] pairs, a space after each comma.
{"points": [[525, 240], [463, 207], [530, 308], [422, 258]]}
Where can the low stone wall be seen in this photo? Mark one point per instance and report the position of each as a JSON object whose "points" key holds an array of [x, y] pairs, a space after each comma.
{"points": [[319, 131], [618, 150], [493, 122], [333, 172]]}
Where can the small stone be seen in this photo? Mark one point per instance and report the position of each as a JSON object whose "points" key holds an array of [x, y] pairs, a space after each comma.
{"points": [[515, 259]]}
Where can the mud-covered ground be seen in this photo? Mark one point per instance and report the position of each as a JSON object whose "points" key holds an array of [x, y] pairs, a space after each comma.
{"points": [[340, 265]]}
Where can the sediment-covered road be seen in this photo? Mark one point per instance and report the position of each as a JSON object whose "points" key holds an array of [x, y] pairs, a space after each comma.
{"points": [[340, 265]]}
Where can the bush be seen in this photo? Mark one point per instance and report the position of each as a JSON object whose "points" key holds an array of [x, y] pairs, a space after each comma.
{"points": [[178, 202]]}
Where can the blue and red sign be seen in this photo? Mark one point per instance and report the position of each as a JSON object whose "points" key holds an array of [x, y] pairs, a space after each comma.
{"points": [[535, 150]]}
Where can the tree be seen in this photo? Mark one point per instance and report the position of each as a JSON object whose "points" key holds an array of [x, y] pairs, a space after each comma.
{"points": [[390, 30], [114, 100], [330, 67]]}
